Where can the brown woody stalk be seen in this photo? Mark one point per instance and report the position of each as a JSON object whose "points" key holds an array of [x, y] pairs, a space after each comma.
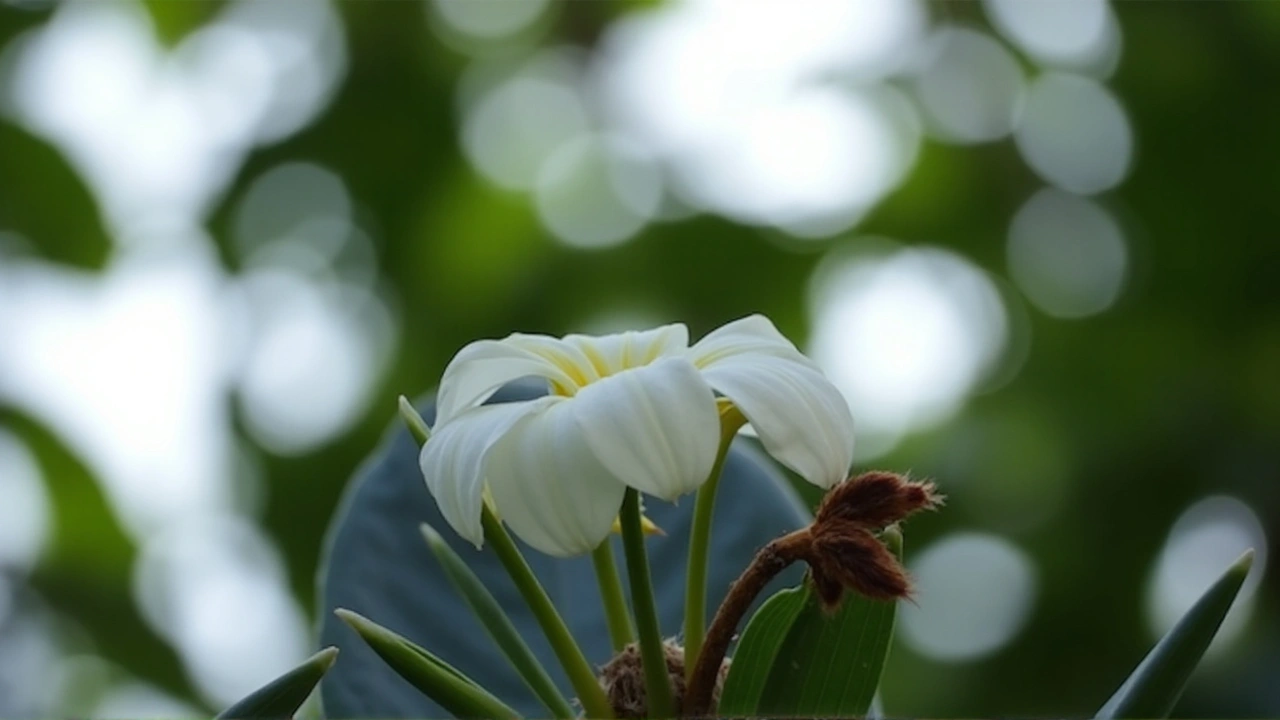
{"points": [[771, 560]]}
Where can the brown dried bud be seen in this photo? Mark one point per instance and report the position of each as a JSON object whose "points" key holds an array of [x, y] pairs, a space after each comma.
{"points": [[876, 500], [847, 556], [844, 553]]}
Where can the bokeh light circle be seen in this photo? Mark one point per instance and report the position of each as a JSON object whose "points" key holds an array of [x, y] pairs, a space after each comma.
{"points": [[1075, 134], [906, 335], [597, 191], [970, 87], [1206, 538], [510, 129], [24, 506], [1067, 254], [1070, 33], [488, 19], [974, 592]]}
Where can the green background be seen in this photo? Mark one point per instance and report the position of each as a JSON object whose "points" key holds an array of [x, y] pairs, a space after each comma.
{"points": [[1169, 396]]}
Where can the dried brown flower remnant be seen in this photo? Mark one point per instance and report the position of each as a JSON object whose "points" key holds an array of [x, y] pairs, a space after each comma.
{"points": [[876, 500], [847, 557], [842, 552], [623, 680]]}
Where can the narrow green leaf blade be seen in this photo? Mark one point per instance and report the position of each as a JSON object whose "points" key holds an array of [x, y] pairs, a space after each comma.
{"points": [[756, 651], [452, 690], [282, 697], [1155, 686], [830, 665], [499, 626]]}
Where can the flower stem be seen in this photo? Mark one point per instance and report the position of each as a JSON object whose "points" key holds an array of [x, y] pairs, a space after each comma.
{"points": [[615, 604], [581, 676], [771, 560], [695, 588], [653, 658], [594, 702]]}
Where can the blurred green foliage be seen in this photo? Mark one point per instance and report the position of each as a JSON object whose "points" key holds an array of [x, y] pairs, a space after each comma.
{"points": [[1134, 414]]}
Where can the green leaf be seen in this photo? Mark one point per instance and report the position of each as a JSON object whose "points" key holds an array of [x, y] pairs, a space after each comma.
{"points": [[282, 697], [756, 651], [455, 692], [498, 625], [1157, 683], [795, 659]]}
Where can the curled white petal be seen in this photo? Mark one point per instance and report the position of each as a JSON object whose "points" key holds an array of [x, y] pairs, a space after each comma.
{"points": [[549, 487], [453, 460], [656, 428], [753, 335], [612, 354], [802, 419], [482, 367]]}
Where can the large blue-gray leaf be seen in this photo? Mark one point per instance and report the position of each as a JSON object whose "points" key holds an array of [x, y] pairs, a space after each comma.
{"points": [[376, 564]]}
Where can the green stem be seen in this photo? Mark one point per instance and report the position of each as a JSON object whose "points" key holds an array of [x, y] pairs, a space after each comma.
{"points": [[590, 694], [653, 657], [695, 588], [487, 610], [594, 702], [615, 604]]}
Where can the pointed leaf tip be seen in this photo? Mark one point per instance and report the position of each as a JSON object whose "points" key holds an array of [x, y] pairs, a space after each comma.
{"points": [[1245, 561], [437, 679], [432, 537], [326, 657], [282, 697], [352, 618], [1153, 688], [417, 426]]}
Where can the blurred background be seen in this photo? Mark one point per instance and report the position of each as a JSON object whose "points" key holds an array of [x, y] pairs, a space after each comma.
{"points": [[1033, 243]]}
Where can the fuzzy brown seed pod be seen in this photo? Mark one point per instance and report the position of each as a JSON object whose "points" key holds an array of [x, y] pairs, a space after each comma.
{"points": [[844, 554], [876, 500], [623, 680]]}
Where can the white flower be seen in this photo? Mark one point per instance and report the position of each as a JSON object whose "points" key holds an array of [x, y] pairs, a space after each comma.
{"points": [[636, 409]]}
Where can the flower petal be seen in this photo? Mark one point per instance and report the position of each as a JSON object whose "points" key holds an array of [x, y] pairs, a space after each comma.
{"points": [[656, 427], [751, 335], [801, 418], [452, 461], [482, 367], [611, 354], [548, 485]]}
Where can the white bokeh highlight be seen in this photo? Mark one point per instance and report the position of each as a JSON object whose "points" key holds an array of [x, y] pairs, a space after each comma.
{"points": [[488, 19], [25, 515], [975, 593], [769, 138], [316, 351], [1067, 254], [128, 365], [512, 124], [598, 191], [215, 588], [905, 335], [1059, 33], [969, 86], [160, 132], [1204, 541], [1075, 134]]}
